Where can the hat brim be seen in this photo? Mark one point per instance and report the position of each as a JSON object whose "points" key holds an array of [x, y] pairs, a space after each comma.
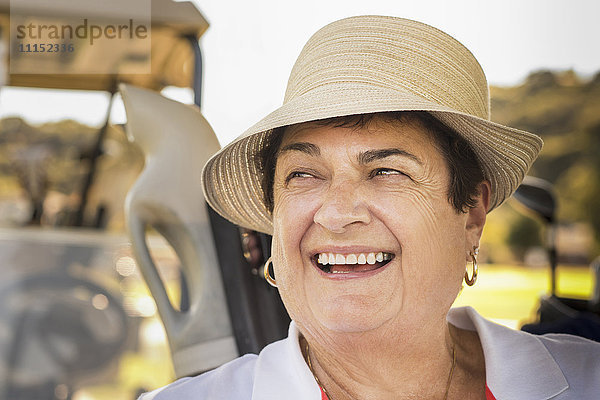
{"points": [[232, 183]]}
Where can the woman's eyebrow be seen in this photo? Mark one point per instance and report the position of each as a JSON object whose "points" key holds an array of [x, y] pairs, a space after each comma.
{"points": [[305, 147], [369, 156]]}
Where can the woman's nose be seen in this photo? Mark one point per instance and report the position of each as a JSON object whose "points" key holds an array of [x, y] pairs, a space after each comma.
{"points": [[342, 206]]}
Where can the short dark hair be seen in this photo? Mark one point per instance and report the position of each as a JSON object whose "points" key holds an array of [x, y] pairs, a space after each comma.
{"points": [[465, 171]]}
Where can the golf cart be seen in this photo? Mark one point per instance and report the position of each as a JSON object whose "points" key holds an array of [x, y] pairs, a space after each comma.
{"points": [[557, 314], [71, 311]]}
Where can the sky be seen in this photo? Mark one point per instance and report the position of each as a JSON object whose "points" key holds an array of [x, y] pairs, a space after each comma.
{"points": [[250, 47]]}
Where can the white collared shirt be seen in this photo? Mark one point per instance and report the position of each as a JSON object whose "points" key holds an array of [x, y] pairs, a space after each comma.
{"points": [[519, 366]]}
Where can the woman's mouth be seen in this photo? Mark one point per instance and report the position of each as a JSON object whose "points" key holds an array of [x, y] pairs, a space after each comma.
{"points": [[335, 263]]}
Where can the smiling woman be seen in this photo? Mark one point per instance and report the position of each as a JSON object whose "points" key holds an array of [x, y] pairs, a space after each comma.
{"points": [[384, 191], [375, 178]]}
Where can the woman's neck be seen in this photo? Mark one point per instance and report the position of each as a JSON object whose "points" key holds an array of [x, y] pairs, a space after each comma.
{"points": [[394, 365]]}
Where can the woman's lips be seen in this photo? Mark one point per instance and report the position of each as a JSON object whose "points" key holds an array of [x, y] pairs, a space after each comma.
{"points": [[352, 263]]}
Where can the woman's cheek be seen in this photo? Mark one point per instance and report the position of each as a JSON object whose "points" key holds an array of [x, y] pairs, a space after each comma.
{"points": [[294, 208], [419, 218], [291, 220], [288, 273]]}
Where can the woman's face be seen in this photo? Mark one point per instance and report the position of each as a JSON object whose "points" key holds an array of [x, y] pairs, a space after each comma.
{"points": [[364, 235]]}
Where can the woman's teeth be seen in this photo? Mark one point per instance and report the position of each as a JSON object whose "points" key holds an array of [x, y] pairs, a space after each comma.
{"points": [[352, 259]]}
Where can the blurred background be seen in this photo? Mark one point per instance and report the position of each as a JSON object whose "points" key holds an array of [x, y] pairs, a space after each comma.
{"points": [[73, 301]]}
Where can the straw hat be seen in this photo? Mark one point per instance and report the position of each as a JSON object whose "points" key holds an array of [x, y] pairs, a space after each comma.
{"points": [[370, 64]]}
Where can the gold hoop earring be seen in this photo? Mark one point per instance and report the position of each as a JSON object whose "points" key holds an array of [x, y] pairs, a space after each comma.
{"points": [[268, 276], [471, 281]]}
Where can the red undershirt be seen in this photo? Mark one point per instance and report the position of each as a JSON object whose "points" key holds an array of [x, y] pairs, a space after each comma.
{"points": [[488, 394]]}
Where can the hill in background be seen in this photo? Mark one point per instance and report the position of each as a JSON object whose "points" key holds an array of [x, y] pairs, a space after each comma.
{"points": [[565, 111]]}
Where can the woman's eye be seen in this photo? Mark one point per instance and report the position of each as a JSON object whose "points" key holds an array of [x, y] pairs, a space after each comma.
{"points": [[385, 172], [298, 174]]}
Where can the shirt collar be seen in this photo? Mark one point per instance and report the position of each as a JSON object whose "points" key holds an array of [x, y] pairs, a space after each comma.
{"points": [[517, 364], [282, 373]]}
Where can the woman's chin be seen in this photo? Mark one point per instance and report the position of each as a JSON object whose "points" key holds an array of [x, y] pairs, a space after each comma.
{"points": [[353, 314]]}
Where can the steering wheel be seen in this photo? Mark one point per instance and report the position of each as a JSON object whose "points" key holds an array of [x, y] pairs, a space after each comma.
{"points": [[78, 325]]}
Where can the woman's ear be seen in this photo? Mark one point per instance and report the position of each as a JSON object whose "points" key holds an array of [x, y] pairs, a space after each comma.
{"points": [[476, 216]]}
